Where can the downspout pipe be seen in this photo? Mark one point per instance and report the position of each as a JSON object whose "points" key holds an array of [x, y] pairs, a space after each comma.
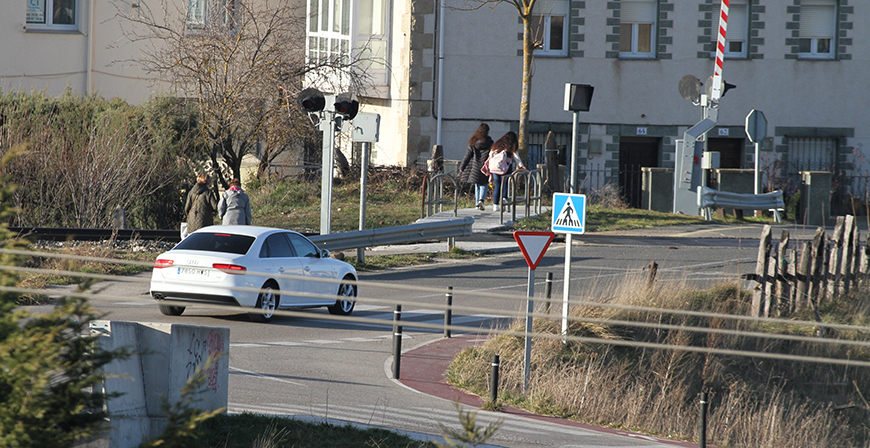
{"points": [[441, 11], [90, 61]]}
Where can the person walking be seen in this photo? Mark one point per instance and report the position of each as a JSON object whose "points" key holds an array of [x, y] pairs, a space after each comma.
{"points": [[503, 161], [234, 207], [475, 157], [200, 205]]}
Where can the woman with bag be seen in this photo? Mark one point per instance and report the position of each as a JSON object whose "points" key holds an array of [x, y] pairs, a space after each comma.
{"points": [[502, 162], [476, 156]]}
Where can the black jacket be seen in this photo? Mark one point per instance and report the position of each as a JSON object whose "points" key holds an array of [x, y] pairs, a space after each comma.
{"points": [[473, 161]]}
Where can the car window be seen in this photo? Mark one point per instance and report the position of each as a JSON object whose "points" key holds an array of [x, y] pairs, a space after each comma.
{"points": [[303, 247], [276, 246], [217, 242]]}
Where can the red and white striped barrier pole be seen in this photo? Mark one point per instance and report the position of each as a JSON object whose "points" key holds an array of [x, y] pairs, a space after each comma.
{"points": [[716, 92]]}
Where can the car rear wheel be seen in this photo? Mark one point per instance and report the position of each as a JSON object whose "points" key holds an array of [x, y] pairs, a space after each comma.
{"points": [[346, 299], [171, 310], [267, 303]]}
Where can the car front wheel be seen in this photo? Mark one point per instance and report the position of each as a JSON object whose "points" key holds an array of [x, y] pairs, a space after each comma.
{"points": [[267, 303], [346, 299]]}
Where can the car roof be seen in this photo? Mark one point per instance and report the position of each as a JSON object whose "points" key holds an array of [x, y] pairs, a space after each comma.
{"points": [[254, 231]]}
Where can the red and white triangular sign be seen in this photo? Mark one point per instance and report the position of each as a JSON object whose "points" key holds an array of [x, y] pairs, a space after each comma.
{"points": [[534, 245]]}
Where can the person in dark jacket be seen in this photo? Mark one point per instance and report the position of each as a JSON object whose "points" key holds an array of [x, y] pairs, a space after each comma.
{"points": [[201, 205], [234, 207], [475, 157]]}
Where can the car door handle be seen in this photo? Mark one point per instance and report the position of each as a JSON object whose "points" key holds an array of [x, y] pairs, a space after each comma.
{"points": [[281, 269]]}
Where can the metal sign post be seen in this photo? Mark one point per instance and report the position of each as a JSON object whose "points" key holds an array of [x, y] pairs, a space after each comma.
{"points": [[756, 130], [533, 245], [569, 217]]}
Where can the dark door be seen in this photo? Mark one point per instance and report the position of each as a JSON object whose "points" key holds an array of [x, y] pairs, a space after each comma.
{"points": [[730, 151], [634, 154]]}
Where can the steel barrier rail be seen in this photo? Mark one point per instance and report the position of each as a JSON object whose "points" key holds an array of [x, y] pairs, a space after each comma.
{"points": [[436, 230], [709, 198]]}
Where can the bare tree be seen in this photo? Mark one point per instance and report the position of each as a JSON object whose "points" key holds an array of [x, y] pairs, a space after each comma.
{"points": [[230, 59]]}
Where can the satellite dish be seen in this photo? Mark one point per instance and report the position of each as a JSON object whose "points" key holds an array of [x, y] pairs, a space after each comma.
{"points": [[690, 88]]}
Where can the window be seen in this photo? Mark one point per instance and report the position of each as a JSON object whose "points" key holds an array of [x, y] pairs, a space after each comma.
{"points": [[637, 27], [818, 24], [303, 247], [59, 15], [329, 31], [202, 12], [737, 34], [549, 28]]}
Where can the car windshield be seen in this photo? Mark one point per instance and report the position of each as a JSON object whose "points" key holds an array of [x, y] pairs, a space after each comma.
{"points": [[217, 242]]}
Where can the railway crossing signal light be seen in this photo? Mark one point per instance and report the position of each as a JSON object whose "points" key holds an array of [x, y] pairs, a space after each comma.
{"points": [[311, 100], [346, 106]]}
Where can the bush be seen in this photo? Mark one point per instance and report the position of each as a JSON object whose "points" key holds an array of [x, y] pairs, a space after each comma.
{"points": [[83, 157]]}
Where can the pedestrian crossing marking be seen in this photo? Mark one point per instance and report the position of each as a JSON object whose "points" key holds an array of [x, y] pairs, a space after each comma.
{"points": [[569, 213]]}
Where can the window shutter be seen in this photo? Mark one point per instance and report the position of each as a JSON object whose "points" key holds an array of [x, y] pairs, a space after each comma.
{"points": [[638, 11], [817, 19]]}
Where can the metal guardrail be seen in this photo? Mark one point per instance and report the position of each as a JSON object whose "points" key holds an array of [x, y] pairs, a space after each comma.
{"points": [[433, 194], [436, 230], [709, 198]]}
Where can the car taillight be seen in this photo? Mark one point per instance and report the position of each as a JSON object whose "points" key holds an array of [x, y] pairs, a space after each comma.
{"points": [[230, 268], [163, 263]]}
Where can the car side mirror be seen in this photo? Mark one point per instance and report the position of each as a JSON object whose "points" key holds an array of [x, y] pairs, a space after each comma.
{"points": [[324, 253]]}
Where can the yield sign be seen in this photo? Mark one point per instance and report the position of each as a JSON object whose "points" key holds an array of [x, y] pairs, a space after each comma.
{"points": [[534, 245]]}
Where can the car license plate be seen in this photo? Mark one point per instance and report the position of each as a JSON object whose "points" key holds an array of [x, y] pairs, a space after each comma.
{"points": [[199, 272]]}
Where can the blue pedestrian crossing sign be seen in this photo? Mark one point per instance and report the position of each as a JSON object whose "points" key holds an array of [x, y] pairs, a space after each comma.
{"points": [[569, 213]]}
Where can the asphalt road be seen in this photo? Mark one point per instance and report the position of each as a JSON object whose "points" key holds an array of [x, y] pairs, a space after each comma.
{"points": [[307, 367]]}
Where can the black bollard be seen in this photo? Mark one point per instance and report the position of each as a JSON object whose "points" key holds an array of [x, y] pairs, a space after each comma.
{"points": [[493, 382], [448, 313], [702, 425], [548, 290], [397, 341]]}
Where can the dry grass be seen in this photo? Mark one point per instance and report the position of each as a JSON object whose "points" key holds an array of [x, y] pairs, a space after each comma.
{"points": [[754, 402]]}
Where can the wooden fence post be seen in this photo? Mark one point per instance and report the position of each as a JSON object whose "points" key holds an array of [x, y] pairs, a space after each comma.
{"points": [[834, 259], [783, 288], [803, 276], [758, 297], [817, 268], [847, 253]]}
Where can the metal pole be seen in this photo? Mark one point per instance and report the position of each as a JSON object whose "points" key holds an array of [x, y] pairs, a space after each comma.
{"points": [[702, 426], [397, 341], [363, 180], [757, 169], [493, 380], [530, 308], [327, 161], [448, 313]]}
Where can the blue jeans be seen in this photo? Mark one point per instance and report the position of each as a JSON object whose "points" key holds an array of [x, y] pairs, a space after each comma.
{"points": [[497, 187], [480, 191]]}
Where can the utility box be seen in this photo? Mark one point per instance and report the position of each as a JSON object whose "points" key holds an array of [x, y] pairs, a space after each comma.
{"points": [[164, 357], [658, 189], [815, 205]]}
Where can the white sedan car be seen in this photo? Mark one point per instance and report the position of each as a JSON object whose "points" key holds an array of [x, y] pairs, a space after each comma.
{"points": [[254, 267]]}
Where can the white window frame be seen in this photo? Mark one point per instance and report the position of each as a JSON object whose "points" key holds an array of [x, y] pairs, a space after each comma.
{"points": [[200, 14], [542, 21], [739, 20], [818, 23], [360, 29], [634, 24], [40, 16]]}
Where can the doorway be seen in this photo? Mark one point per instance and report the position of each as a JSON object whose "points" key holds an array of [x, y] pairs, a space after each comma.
{"points": [[636, 153]]}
